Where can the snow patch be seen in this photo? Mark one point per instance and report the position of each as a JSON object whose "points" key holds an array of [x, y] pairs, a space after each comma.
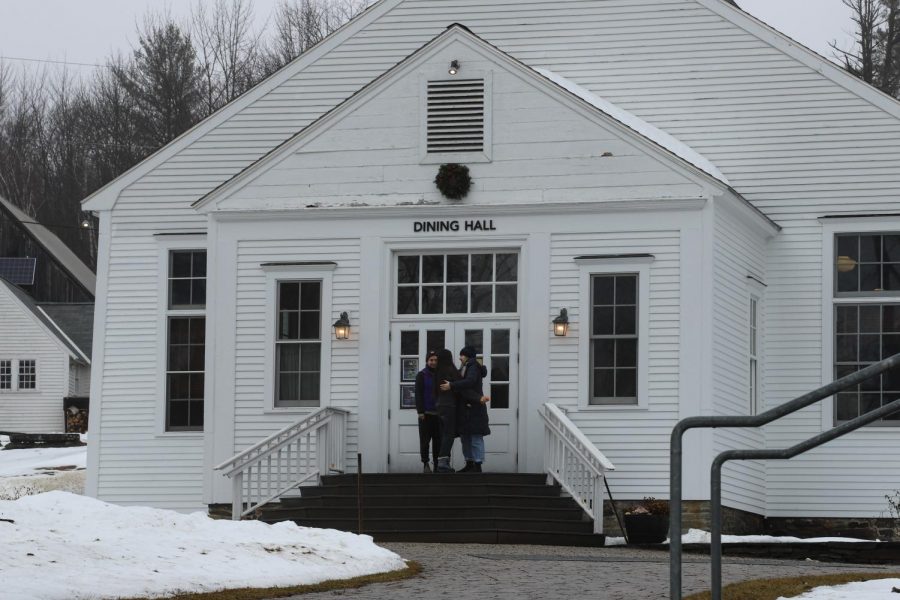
{"points": [[666, 140], [60, 546], [876, 589]]}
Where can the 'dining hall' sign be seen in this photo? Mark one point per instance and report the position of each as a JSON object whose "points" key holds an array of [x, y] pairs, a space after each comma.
{"points": [[455, 225]]}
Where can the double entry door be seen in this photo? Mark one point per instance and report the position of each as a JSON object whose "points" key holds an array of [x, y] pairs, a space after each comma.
{"points": [[497, 346]]}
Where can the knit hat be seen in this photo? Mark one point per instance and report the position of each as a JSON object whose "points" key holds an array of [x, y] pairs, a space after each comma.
{"points": [[429, 354], [468, 352]]}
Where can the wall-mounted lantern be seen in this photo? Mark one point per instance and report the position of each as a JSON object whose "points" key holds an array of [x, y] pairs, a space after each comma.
{"points": [[561, 323], [342, 327], [454, 67]]}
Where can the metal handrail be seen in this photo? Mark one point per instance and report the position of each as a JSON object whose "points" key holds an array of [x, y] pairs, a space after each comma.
{"points": [[286, 459], [675, 475], [574, 462]]}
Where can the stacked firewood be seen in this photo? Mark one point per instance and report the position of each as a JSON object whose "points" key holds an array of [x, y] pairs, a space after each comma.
{"points": [[76, 420]]}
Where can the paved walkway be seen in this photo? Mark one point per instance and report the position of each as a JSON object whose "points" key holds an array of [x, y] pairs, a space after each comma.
{"points": [[484, 572]]}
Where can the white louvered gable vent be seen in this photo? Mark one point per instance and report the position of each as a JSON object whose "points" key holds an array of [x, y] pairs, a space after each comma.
{"points": [[456, 116]]}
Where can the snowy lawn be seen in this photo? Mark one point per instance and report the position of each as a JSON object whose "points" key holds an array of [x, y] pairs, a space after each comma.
{"points": [[35, 470], [68, 547], [877, 589]]}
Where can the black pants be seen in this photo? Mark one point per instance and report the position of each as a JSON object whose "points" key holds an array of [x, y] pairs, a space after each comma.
{"points": [[430, 435], [447, 413]]}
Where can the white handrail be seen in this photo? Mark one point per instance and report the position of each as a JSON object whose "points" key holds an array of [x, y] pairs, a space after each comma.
{"points": [[286, 459], [571, 460]]}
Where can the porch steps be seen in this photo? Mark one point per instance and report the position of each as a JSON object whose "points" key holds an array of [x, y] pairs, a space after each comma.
{"points": [[489, 508]]}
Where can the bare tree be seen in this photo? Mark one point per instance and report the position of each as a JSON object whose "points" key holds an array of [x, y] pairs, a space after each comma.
{"points": [[227, 50], [875, 54]]}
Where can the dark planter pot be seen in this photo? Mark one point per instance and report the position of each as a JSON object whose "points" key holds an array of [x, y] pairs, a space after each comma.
{"points": [[647, 529]]}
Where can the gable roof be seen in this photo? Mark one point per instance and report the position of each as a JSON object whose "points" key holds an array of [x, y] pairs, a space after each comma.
{"points": [[54, 246], [639, 130], [106, 197], [73, 320]]}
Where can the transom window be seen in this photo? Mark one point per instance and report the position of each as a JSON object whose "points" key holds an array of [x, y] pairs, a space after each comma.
{"points": [[476, 283], [187, 279], [27, 374], [866, 320], [614, 339], [867, 264], [298, 346]]}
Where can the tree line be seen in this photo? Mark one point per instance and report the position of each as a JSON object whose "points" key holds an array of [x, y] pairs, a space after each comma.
{"points": [[63, 136]]}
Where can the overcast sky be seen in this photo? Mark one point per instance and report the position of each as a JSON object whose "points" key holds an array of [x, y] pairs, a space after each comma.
{"points": [[87, 31]]}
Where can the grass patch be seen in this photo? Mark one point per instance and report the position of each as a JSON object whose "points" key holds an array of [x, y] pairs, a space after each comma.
{"points": [[412, 569], [787, 587]]}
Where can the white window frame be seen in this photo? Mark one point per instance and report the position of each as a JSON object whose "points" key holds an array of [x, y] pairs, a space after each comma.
{"points": [[323, 273], [830, 229], [166, 245], [437, 73], [588, 267], [755, 294], [15, 366]]}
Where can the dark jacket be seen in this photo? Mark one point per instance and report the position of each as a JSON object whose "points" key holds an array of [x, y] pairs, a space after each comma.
{"points": [[426, 391], [473, 416]]}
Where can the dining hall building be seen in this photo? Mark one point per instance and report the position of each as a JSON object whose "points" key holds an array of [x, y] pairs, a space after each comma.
{"points": [[636, 210]]}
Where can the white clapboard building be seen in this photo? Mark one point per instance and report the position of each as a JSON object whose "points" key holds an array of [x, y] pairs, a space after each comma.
{"points": [[714, 207]]}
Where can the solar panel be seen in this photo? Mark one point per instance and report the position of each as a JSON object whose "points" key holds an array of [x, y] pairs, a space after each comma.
{"points": [[19, 271]]}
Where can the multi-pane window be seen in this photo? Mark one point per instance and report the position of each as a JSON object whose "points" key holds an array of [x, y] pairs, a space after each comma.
{"points": [[754, 354], [298, 346], [185, 373], [866, 320], [27, 374], [477, 283], [185, 340], [614, 339], [500, 371], [187, 279], [5, 374]]}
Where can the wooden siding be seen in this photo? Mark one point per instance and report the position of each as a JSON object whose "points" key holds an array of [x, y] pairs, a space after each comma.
{"points": [[21, 337], [254, 315], [738, 253], [794, 142], [635, 439]]}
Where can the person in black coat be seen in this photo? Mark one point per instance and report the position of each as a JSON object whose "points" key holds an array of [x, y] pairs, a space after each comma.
{"points": [[472, 419], [426, 405], [445, 371]]}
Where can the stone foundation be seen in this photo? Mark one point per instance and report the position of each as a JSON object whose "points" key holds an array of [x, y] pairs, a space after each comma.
{"points": [[739, 522]]}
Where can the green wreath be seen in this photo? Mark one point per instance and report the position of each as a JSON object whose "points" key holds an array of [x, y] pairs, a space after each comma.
{"points": [[453, 181]]}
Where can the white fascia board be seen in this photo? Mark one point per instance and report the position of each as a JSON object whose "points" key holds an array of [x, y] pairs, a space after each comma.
{"points": [[105, 198], [749, 215], [808, 57], [532, 76]]}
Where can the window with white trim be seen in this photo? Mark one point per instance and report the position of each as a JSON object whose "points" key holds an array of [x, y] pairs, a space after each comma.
{"points": [[614, 338], [298, 344], [866, 319], [185, 340], [753, 354], [27, 374], [5, 374]]}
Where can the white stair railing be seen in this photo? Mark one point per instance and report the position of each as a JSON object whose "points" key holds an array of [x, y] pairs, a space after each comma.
{"points": [[285, 460], [571, 460]]}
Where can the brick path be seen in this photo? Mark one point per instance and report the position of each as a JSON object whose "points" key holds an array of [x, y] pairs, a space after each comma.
{"points": [[480, 572]]}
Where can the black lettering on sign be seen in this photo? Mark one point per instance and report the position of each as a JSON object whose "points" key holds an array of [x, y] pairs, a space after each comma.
{"points": [[439, 226]]}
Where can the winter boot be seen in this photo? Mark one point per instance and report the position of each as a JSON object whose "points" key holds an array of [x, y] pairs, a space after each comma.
{"points": [[443, 465], [470, 466], [476, 467], [426, 468]]}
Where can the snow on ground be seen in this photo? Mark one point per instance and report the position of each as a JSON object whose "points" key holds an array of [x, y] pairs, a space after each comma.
{"points": [[877, 589], [698, 536], [62, 546], [34, 470]]}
